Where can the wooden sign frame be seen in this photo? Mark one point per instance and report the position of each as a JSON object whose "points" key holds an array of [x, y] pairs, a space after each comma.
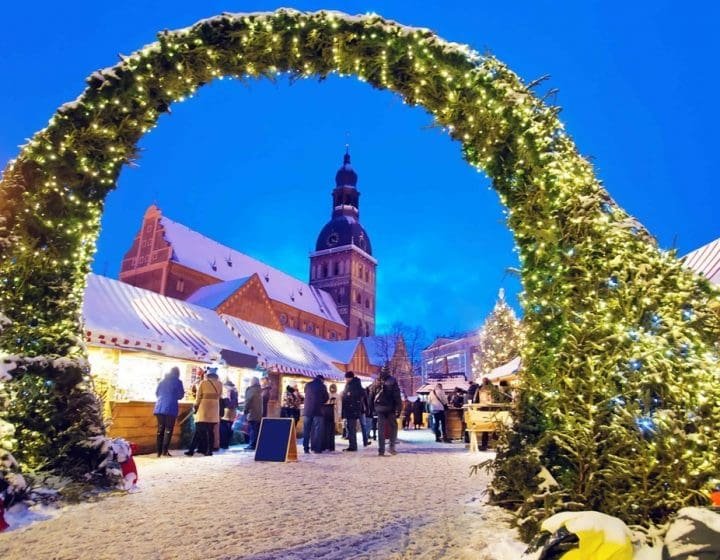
{"points": [[278, 441]]}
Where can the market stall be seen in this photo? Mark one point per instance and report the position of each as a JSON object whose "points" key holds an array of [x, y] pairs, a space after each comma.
{"points": [[135, 336]]}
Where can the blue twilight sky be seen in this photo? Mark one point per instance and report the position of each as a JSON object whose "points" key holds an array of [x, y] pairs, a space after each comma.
{"points": [[253, 165]]}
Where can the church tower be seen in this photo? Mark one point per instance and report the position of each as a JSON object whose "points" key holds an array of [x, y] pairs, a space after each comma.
{"points": [[342, 263]]}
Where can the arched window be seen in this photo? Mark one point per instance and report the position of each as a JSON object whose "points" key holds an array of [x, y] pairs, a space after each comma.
{"points": [[358, 297], [336, 268], [324, 270]]}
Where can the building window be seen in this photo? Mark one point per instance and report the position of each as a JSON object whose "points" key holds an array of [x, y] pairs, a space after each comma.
{"points": [[324, 270], [283, 319], [180, 285], [367, 329], [358, 297], [367, 275], [336, 268], [360, 271], [333, 335], [310, 328], [367, 303]]}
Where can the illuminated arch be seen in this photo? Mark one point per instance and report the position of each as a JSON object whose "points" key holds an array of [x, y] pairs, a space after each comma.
{"points": [[608, 315]]}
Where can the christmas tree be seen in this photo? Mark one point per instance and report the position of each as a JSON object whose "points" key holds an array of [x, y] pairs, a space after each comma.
{"points": [[501, 338]]}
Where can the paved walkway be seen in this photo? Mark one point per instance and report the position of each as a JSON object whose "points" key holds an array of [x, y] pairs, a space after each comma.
{"points": [[419, 504]]}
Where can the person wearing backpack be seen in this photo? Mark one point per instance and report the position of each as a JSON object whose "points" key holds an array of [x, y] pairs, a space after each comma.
{"points": [[437, 401], [386, 401]]}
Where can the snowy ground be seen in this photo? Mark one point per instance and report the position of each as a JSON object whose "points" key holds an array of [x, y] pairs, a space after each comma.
{"points": [[419, 504]]}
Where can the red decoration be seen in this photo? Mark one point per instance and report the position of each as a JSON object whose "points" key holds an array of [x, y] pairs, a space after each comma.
{"points": [[715, 498], [3, 523]]}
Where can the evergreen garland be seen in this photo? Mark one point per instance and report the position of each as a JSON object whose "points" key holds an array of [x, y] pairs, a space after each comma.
{"points": [[620, 394]]}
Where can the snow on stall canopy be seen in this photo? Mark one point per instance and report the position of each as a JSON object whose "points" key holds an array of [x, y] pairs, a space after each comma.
{"points": [[505, 371], [449, 384], [203, 254], [705, 261], [120, 315], [214, 295], [283, 352], [341, 351]]}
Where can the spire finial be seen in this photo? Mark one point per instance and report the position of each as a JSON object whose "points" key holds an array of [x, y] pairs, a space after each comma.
{"points": [[346, 158]]}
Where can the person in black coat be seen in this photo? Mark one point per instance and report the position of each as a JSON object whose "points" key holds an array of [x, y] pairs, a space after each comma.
{"points": [[386, 401], [418, 409], [316, 394], [353, 404]]}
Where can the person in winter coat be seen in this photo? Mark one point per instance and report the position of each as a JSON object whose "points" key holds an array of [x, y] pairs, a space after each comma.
{"points": [[335, 399], [266, 389], [418, 409], [207, 414], [316, 395], [291, 404], [353, 405], [226, 422], [407, 408], [386, 401], [437, 402], [169, 391], [253, 411]]}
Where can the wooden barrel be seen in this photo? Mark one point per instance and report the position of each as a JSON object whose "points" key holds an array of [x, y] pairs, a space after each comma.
{"points": [[454, 420]]}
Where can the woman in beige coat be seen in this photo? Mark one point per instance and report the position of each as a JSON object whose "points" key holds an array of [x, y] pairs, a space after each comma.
{"points": [[207, 414]]}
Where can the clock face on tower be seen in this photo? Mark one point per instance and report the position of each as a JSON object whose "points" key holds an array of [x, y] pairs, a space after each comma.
{"points": [[333, 239]]}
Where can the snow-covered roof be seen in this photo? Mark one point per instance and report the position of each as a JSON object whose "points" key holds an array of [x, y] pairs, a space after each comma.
{"points": [[201, 253], [283, 352], [506, 370], [705, 261], [342, 351], [448, 383], [212, 296], [380, 349], [120, 315]]}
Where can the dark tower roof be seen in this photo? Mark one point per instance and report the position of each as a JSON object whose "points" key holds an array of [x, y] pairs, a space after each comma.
{"points": [[344, 227], [346, 176]]}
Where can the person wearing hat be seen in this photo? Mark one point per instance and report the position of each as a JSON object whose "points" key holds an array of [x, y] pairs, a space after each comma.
{"points": [[316, 394]]}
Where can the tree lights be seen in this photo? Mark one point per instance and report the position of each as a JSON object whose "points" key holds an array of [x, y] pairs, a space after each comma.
{"points": [[612, 322]]}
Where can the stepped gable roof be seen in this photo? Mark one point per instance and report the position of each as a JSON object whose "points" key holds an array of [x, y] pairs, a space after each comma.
{"points": [[283, 352], [342, 351], [195, 251], [214, 295], [119, 315], [705, 261], [380, 349]]}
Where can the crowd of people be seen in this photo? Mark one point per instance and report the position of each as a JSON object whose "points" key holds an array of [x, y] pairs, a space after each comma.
{"points": [[373, 411]]}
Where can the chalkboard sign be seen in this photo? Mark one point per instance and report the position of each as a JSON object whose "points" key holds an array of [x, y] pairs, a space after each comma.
{"points": [[276, 440]]}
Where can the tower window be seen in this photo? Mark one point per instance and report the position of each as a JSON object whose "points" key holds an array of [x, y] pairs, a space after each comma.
{"points": [[367, 275], [358, 297], [324, 270], [367, 304], [336, 268]]}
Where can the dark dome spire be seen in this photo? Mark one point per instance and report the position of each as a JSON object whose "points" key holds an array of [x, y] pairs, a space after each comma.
{"points": [[346, 176]]}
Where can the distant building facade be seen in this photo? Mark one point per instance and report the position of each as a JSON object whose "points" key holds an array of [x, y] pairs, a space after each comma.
{"points": [[450, 358], [335, 311]]}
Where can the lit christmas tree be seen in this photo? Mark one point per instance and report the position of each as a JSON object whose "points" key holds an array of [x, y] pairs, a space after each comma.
{"points": [[501, 338]]}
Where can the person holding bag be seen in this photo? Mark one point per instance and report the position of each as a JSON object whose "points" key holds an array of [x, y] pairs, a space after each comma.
{"points": [[207, 414], [437, 400]]}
